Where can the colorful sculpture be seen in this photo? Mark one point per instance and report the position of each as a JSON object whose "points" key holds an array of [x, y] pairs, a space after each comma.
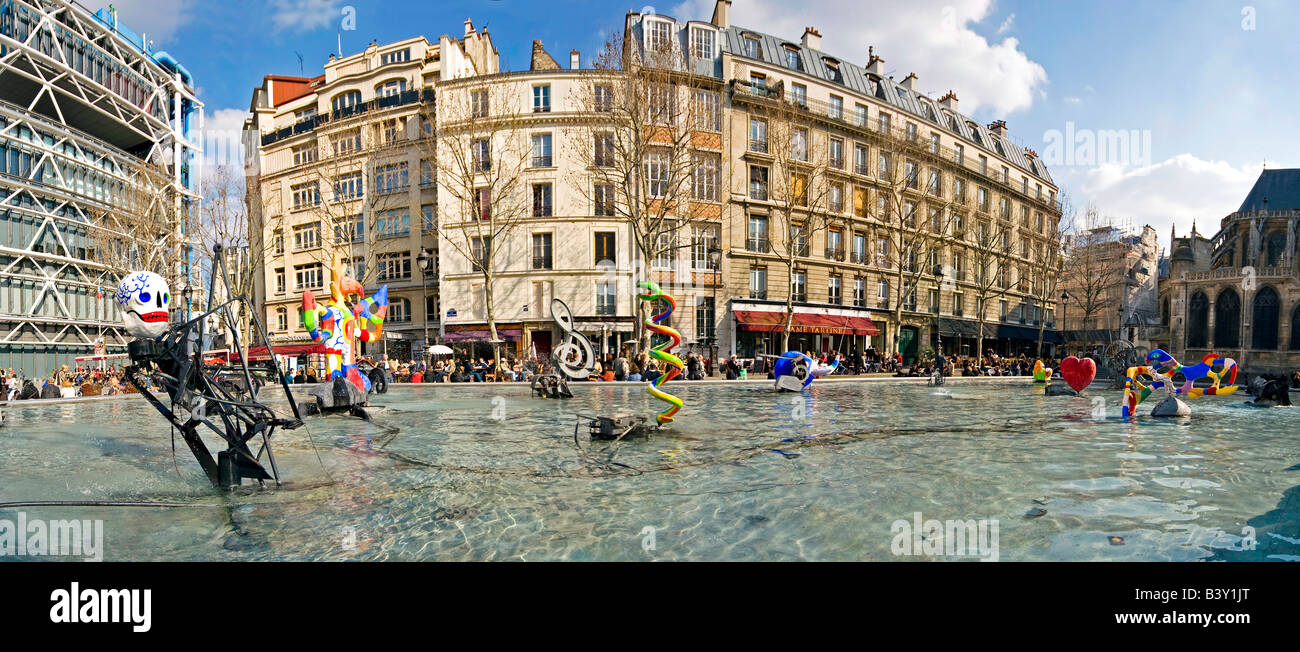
{"points": [[673, 365], [337, 325], [1161, 367], [796, 366], [1078, 373], [1041, 373], [144, 299]]}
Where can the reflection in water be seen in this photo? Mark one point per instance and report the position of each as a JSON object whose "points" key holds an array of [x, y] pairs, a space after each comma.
{"points": [[743, 473]]}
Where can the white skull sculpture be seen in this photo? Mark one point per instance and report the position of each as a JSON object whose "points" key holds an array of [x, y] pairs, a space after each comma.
{"points": [[144, 299]]}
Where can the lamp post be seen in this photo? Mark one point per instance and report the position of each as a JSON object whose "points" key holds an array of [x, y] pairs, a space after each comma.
{"points": [[424, 260], [1064, 297], [938, 332], [715, 259]]}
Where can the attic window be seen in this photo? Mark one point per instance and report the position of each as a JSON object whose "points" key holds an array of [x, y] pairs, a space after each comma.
{"points": [[997, 144], [833, 69], [902, 94], [792, 58], [753, 48]]}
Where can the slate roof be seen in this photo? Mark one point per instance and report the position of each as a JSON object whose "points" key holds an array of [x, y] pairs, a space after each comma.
{"points": [[1281, 189], [856, 78]]}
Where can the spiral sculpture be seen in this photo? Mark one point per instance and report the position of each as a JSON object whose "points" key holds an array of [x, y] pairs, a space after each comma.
{"points": [[672, 364]]}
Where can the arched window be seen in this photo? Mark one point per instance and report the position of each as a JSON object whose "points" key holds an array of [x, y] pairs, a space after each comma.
{"points": [[1198, 317], [1263, 320], [1295, 329], [1227, 319], [1273, 250], [1164, 312], [345, 100]]}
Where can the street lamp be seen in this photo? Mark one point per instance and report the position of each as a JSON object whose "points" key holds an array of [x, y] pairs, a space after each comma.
{"points": [[425, 261], [1064, 297], [715, 259], [938, 332]]}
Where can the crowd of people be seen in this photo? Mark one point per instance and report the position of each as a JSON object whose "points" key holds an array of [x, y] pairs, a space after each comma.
{"points": [[63, 383]]}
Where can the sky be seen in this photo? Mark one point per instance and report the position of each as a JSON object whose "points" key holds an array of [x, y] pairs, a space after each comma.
{"points": [[1185, 102]]}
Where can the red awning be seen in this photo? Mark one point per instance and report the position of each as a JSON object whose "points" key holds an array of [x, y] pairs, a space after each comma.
{"points": [[755, 320], [260, 352]]}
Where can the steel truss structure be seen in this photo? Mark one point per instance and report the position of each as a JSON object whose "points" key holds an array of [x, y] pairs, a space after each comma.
{"points": [[94, 137]]}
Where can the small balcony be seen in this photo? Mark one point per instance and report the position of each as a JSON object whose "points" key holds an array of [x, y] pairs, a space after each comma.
{"points": [[757, 245], [835, 253]]}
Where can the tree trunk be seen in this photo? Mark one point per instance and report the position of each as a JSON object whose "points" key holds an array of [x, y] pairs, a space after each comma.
{"points": [[898, 310], [492, 323], [789, 308], [979, 344]]}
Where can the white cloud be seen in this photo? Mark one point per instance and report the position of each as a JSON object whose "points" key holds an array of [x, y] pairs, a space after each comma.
{"points": [[221, 139], [1070, 99], [932, 38], [1007, 24], [304, 15], [157, 20], [1172, 192]]}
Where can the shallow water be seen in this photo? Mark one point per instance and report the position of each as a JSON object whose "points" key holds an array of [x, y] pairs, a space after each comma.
{"points": [[490, 473]]}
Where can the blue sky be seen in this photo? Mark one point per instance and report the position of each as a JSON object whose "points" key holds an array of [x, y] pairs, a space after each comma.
{"points": [[1209, 84]]}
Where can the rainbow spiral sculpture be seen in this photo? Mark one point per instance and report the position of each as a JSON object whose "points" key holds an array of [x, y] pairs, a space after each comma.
{"points": [[673, 366]]}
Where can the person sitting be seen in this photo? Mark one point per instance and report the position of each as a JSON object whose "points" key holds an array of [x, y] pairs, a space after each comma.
{"points": [[311, 375], [299, 378]]}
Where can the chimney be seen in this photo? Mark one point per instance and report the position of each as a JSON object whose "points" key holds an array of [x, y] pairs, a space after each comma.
{"points": [[999, 128], [909, 82], [722, 14], [469, 27], [575, 61], [873, 61], [812, 39], [949, 101]]}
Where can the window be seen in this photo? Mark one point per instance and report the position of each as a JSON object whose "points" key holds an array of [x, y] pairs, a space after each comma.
{"points": [[306, 236], [835, 244], [935, 186], [482, 154], [859, 248], [934, 301], [883, 119], [345, 100], [958, 303], [346, 142], [799, 188], [702, 240], [388, 131], [799, 94], [1002, 309], [799, 286], [304, 154], [393, 223], [860, 293], [542, 98], [392, 178], [483, 204], [707, 169], [399, 310], [395, 57], [659, 107], [702, 43], [603, 95], [480, 252], [656, 173], [753, 49], [305, 195], [605, 247], [279, 281], [835, 197], [603, 200], [982, 199], [542, 200], [708, 110], [757, 240], [792, 58], [911, 131], [757, 283], [348, 186], [757, 135], [861, 110], [277, 243], [958, 190], [836, 107], [667, 256], [658, 36], [1004, 208], [882, 251], [542, 151], [861, 156], [958, 154], [389, 88], [542, 251], [307, 277], [885, 167], [428, 174], [304, 115], [910, 173], [606, 297], [934, 143], [882, 293], [704, 318], [758, 182], [799, 143], [1006, 175], [393, 266], [429, 218], [478, 101], [604, 149], [798, 240], [984, 164], [281, 319], [836, 153], [835, 290]]}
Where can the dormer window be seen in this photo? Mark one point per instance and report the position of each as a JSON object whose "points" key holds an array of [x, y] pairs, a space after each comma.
{"points": [[395, 57], [792, 58], [702, 43], [753, 49], [833, 69], [658, 36]]}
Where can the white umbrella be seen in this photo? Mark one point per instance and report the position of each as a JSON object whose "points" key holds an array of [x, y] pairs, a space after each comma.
{"points": [[439, 349]]}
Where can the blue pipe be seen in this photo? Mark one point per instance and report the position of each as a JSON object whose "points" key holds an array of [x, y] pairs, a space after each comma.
{"points": [[169, 63]]}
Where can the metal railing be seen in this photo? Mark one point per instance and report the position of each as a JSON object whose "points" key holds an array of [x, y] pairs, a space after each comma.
{"points": [[310, 124]]}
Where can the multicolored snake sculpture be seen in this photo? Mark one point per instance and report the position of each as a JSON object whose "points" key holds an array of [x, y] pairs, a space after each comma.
{"points": [[673, 365], [1161, 368]]}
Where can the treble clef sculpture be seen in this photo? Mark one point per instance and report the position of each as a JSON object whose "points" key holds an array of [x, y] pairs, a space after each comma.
{"points": [[575, 357]]}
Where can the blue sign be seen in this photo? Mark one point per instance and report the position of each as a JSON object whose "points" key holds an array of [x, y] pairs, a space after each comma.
{"points": [[451, 312]]}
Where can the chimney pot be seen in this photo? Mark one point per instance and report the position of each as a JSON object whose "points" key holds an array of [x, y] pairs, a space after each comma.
{"points": [[575, 60], [812, 39]]}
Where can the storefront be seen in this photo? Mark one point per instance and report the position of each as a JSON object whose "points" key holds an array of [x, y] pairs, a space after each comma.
{"points": [[759, 329], [961, 337]]}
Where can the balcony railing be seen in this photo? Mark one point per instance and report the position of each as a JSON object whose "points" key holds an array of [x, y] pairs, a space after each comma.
{"points": [[859, 257], [310, 124], [757, 245], [759, 146], [835, 253], [758, 294]]}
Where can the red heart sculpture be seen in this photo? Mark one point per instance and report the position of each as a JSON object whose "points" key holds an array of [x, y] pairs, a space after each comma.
{"points": [[1078, 373]]}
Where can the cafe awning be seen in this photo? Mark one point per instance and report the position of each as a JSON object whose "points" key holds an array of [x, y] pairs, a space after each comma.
{"points": [[507, 334], [764, 321]]}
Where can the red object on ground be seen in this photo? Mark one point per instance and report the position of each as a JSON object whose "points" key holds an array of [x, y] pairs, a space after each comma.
{"points": [[1078, 373]]}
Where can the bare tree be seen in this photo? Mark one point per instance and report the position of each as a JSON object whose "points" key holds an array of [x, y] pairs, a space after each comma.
{"points": [[634, 150], [1091, 275], [990, 254], [916, 217], [144, 229], [1047, 267], [482, 162], [223, 220]]}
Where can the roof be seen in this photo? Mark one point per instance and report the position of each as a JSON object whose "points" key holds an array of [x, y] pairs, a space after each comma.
{"points": [[1276, 190], [857, 79]]}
